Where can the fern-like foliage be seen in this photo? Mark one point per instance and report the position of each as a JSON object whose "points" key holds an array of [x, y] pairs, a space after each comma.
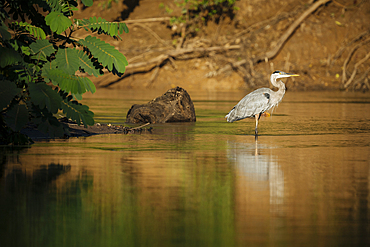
{"points": [[87, 65], [37, 32], [17, 117], [63, 6], [76, 111], [87, 3], [101, 25], [45, 97], [54, 5], [9, 56], [67, 60], [69, 83], [8, 91], [58, 22], [105, 53], [47, 122], [41, 49], [5, 35]]}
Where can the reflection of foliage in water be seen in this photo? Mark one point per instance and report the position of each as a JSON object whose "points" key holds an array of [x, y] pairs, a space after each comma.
{"points": [[53, 208], [33, 198], [194, 205]]}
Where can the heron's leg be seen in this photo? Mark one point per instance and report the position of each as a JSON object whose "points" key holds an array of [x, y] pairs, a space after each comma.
{"points": [[257, 117]]}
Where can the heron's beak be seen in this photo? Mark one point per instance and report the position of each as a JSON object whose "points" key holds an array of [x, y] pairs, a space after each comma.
{"points": [[292, 74]]}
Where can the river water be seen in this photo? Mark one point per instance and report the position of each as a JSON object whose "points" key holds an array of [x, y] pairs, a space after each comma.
{"points": [[304, 182]]}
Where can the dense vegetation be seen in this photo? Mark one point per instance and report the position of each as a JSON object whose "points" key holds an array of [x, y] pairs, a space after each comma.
{"points": [[39, 60], [196, 13]]}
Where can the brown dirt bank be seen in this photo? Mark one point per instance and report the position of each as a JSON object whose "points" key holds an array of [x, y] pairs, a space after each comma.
{"points": [[317, 49]]}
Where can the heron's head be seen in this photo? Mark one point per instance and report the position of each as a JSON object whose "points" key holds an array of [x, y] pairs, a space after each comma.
{"points": [[280, 74]]}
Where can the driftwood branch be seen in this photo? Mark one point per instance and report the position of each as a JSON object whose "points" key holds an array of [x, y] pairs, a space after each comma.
{"points": [[151, 32], [272, 53], [346, 85], [363, 79], [154, 76], [354, 40], [157, 61], [280, 43], [346, 62], [147, 20]]}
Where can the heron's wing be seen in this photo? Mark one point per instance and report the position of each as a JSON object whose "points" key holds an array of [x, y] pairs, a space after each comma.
{"points": [[252, 104]]}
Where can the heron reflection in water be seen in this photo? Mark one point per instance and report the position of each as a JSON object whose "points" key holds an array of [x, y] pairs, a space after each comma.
{"points": [[260, 100]]}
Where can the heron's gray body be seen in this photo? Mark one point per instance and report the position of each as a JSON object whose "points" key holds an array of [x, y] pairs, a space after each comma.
{"points": [[254, 103], [259, 101]]}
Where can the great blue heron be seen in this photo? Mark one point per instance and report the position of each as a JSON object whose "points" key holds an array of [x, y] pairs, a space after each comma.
{"points": [[260, 100]]}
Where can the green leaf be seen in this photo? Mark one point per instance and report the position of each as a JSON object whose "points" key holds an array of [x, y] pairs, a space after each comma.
{"points": [[125, 28], [43, 48], [89, 85], [57, 22], [78, 112], [87, 3], [86, 64], [105, 53], [44, 96], [9, 57], [33, 30], [113, 29], [49, 124], [17, 117], [103, 26], [69, 83], [67, 60], [4, 32], [26, 50], [8, 91], [54, 5]]}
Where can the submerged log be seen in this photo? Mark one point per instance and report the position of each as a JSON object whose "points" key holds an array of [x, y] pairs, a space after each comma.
{"points": [[173, 106]]}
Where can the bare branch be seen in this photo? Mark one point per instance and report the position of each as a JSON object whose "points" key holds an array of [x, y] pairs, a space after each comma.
{"points": [[354, 49], [354, 40], [355, 70], [176, 53], [363, 79], [152, 33], [272, 53], [147, 20]]}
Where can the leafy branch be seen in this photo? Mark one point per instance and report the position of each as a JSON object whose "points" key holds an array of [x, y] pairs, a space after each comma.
{"points": [[38, 51]]}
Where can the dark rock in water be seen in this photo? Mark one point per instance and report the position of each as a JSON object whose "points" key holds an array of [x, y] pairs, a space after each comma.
{"points": [[173, 106]]}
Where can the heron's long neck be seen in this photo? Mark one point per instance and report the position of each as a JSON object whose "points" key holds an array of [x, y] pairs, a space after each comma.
{"points": [[279, 84]]}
